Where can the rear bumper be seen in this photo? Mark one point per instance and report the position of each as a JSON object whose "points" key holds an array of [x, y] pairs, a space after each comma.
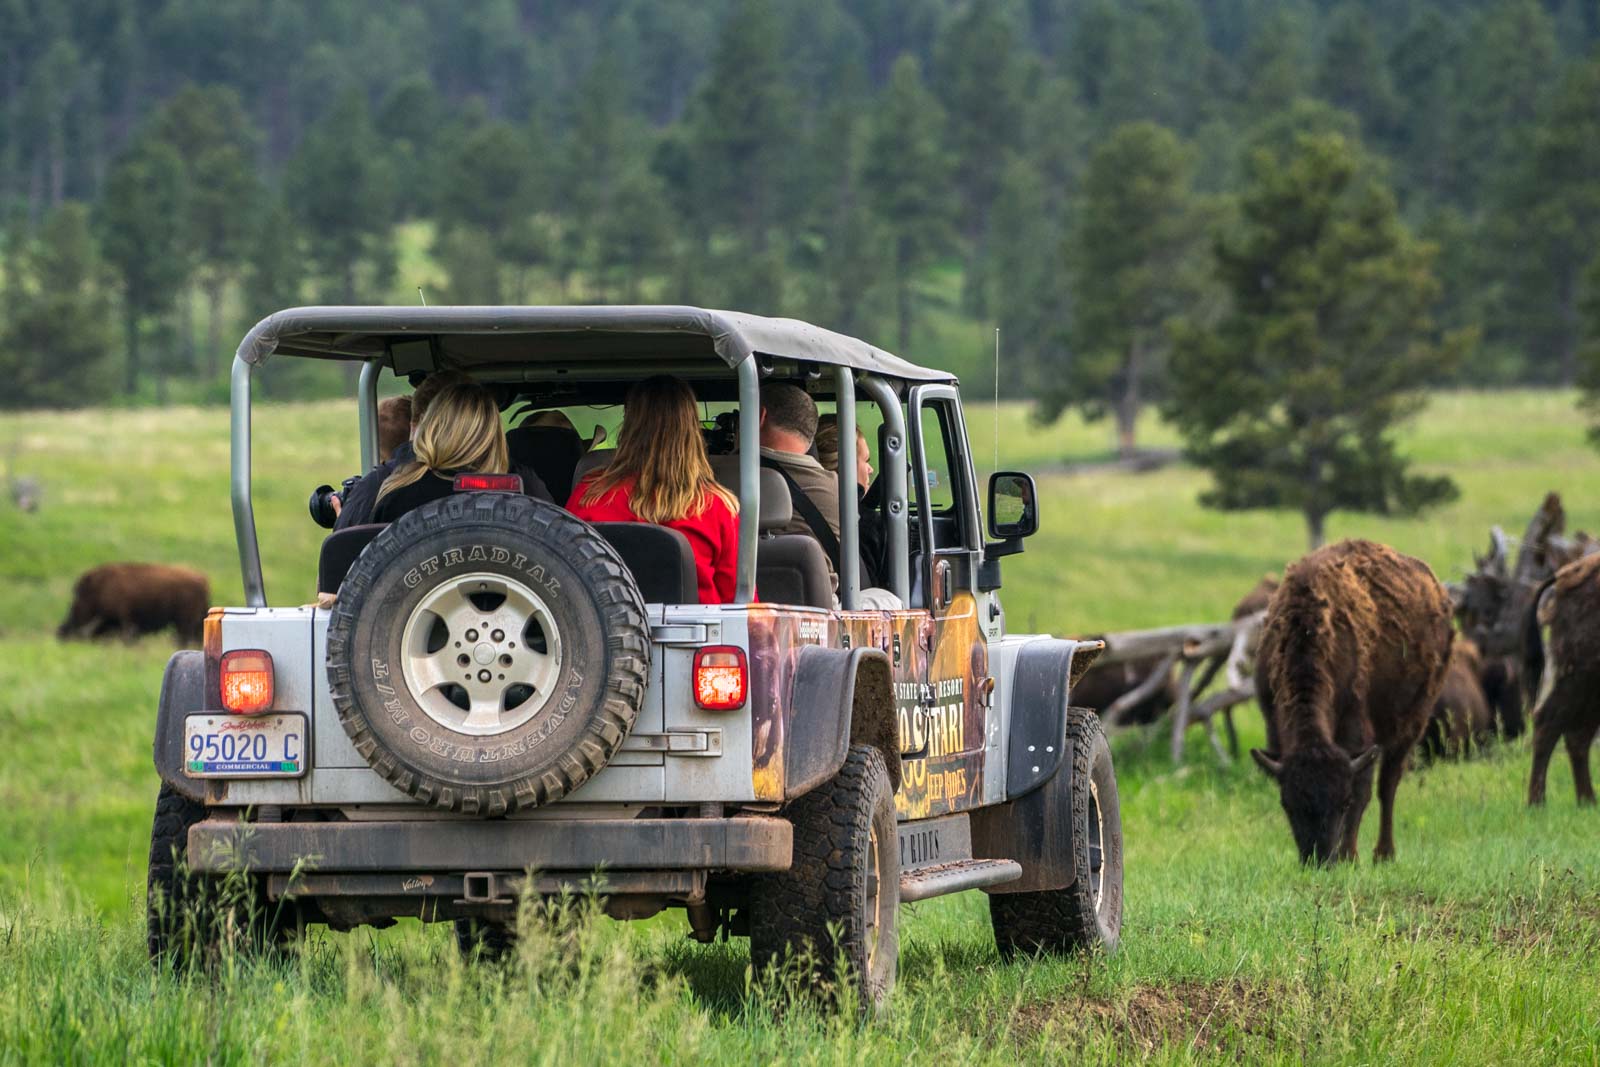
{"points": [[753, 843]]}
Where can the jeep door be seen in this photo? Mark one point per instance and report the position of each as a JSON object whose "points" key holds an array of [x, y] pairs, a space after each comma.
{"points": [[946, 548]]}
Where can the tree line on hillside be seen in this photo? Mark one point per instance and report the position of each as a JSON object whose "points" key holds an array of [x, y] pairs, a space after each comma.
{"points": [[1105, 180]]}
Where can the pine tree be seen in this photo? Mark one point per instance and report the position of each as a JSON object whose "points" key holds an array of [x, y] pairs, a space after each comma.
{"points": [[274, 264], [1030, 302], [1135, 267], [906, 184], [485, 198], [1505, 66], [1290, 399], [739, 136], [142, 235], [1354, 73], [1159, 66], [342, 190], [978, 80], [55, 340], [216, 140], [843, 249], [1547, 228], [1589, 352]]}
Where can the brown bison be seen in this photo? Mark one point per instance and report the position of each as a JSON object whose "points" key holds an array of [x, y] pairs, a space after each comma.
{"points": [[1569, 603], [1353, 653], [129, 599], [1461, 719]]}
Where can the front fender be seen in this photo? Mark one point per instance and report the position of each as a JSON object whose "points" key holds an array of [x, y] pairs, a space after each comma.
{"points": [[1041, 691]]}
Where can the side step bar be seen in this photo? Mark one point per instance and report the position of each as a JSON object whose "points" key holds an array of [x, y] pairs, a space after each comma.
{"points": [[921, 883]]}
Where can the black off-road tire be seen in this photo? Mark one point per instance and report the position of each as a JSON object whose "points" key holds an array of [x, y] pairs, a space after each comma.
{"points": [[190, 917], [835, 881], [1087, 914], [485, 941], [589, 701]]}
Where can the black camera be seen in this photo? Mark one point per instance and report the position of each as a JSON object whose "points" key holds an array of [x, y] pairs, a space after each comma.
{"points": [[722, 435], [321, 504]]}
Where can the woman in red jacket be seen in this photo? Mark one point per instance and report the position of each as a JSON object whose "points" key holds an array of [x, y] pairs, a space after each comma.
{"points": [[660, 474]]}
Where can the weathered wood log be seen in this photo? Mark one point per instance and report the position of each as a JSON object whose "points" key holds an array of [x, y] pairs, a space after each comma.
{"points": [[1190, 641], [1211, 647], [1180, 714]]}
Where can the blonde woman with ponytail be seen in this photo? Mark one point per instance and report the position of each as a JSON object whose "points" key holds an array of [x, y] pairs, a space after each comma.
{"points": [[661, 474], [459, 434]]}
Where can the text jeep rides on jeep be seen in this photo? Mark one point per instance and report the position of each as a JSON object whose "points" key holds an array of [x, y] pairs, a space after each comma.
{"points": [[505, 700]]}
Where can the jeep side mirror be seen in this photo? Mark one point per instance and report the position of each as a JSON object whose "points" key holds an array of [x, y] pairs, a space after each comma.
{"points": [[1013, 506]]}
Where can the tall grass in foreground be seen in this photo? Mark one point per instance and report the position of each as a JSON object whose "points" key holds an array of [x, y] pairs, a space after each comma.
{"points": [[1480, 944]]}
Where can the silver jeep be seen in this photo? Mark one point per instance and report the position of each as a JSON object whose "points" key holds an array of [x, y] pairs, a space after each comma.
{"points": [[495, 700]]}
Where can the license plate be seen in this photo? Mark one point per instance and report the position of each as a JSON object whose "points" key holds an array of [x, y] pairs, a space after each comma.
{"points": [[236, 746]]}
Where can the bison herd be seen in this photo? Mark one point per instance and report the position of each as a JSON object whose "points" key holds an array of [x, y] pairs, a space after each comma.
{"points": [[1358, 667]]}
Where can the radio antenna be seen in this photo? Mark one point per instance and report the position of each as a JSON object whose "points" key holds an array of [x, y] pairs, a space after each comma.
{"points": [[996, 411], [421, 297]]}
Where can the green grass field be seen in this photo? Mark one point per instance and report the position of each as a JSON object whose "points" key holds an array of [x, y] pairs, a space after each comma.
{"points": [[1480, 944]]}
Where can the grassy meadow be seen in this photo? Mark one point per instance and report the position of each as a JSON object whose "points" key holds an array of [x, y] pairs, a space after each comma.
{"points": [[1479, 945]]}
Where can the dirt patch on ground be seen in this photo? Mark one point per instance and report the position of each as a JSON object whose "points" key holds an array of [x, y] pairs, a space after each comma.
{"points": [[1201, 1015]]}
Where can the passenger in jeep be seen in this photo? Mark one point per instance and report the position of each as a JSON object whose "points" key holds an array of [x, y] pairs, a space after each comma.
{"points": [[788, 429], [873, 532], [661, 474], [394, 427], [356, 509], [828, 451], [460, 434]]}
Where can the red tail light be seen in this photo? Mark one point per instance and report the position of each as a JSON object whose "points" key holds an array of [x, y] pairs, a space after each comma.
{"points": [[488, 483], [721, 677], [246, 681]]}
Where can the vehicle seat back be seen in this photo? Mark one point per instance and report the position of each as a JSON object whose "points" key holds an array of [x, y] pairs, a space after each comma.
{"points": [[552, 451], [790, 568], [659, 557], [591, 461], [339, 552]]}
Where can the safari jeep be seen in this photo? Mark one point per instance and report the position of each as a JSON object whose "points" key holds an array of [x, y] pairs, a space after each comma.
{"points": [[500, 701]]}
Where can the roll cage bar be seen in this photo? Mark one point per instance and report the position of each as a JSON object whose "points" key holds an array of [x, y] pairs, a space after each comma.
{"points": [[848, 375]]}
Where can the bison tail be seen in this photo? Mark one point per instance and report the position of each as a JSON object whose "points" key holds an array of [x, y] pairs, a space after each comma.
{"points": [[1533, 646]]}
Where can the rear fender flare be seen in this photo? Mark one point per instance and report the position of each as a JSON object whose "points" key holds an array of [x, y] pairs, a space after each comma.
{"points": [[183, 687], [841, 697]]}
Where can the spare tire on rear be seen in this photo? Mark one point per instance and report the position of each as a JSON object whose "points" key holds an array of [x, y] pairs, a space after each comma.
{"points": [[488, 652]]}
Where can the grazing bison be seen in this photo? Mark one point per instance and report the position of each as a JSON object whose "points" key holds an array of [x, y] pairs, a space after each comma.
{"points": [[1569, 603], [1461, 718], [128, 599], [1353, 653]]}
